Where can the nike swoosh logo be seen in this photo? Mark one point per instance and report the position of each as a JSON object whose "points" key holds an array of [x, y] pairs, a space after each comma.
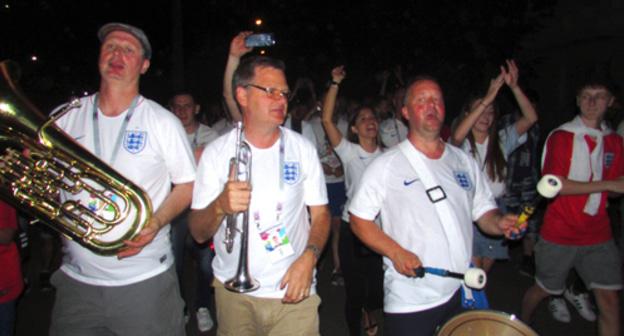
{"points": [[408, 182], [79, 137]]}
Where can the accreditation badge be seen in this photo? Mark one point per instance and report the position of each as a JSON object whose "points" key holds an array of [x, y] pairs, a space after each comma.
{"points": [[103, 209], [276, 243]]}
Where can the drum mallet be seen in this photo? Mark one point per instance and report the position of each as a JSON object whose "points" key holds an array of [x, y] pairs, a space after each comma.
{"points": [[473, 278], [547, 187]]}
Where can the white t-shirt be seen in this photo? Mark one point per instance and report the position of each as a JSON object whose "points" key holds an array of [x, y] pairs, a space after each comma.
{"points": [[391, 187], [303, 185], [509, 141], [153, 153], [223, 126], [354, 160], [392, 131], [306, 129], [325, 151], [202, 136]]}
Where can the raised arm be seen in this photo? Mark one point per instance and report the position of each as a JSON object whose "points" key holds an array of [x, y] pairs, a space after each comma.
{"points": [[529, 115], [237, 50], [332, 131], [465, 125]]}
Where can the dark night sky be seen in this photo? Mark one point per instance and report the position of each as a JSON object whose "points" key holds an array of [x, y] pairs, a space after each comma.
{"points": [[460, 42]]}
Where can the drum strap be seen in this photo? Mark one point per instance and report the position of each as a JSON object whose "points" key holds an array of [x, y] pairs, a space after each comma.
{"points": [[450, 224]]}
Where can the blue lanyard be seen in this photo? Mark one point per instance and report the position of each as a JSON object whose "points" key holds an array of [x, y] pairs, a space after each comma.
{"points": [[194, 143], [122, 129]]}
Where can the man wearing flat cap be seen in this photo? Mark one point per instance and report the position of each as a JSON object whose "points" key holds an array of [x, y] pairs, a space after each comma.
{"points": [[135, 292]]}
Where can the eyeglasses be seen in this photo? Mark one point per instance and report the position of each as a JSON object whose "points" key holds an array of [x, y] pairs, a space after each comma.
{"points": [[270, 92], [598, 96]]}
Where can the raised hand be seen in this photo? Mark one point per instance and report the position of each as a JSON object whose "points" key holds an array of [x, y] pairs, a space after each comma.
{"points": [[495, 85], [510, 74], [338, 74], [237, 46]]}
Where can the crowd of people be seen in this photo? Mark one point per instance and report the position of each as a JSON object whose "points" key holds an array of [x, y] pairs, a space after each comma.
{"points": [[382, 179]]}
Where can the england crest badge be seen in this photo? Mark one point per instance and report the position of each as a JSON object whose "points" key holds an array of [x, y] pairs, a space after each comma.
{"points": [[608, 159], [463, 179], [291, 172], [134, 141]]}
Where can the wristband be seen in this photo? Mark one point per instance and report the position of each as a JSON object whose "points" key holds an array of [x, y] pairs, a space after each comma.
{"points": [[315, 250], [333, 82]]}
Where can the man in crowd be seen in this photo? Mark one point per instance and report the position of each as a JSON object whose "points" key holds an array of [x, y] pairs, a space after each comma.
{"points": [[287, 183], [135, 292], [587, 156], [428, 194], [184, 106]]}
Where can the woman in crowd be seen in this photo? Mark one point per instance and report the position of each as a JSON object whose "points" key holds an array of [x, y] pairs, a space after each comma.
{"points": [[478, 135], [361, 267]]}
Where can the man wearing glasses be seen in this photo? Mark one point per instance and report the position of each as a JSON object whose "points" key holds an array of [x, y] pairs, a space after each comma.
{"points": [[284, 241], [576, 233]]}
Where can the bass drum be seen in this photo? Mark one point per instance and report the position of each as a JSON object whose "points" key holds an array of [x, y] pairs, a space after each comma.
{"points": [[485, 322]]}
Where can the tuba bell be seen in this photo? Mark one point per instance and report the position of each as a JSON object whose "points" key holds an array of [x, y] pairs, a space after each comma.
{"points": [[38, 161]]}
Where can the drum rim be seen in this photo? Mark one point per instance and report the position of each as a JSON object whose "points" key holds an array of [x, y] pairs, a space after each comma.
{"points": [[494, 316]]}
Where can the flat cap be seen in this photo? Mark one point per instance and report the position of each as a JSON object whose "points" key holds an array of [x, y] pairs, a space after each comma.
{"points": [[132, 30]]}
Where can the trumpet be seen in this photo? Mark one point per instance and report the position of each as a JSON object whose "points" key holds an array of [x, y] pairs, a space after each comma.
{"points": [[242, 282]]}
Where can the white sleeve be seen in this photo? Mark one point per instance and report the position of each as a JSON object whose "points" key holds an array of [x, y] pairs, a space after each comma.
{"points": [[345, 150], [483, 200], [308, 132], [176, 151], [315, 190], [208, 184], [370, 192]]}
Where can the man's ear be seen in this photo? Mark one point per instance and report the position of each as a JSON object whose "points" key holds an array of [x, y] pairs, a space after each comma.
{"points": [[197, 108], [404, 113], [145, 66], [241, 96]]}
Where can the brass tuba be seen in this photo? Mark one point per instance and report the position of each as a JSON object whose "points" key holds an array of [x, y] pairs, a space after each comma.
{"points": [[38, 161]]}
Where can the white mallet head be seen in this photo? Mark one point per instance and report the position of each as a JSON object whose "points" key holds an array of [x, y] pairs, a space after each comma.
{"points": [[475, 278], [549, 186]]}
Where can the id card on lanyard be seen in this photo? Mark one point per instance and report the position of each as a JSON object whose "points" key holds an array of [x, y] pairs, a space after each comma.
{"points": [[94, 203], [273, 235]]}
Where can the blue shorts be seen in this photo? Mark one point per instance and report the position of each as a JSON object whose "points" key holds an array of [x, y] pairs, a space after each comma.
{"points": [[337, 196], [486, 246]]}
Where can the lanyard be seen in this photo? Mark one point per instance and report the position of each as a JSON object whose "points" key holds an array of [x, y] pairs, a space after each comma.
{"points": [[194, 143], [282, 151], [279, 205], [122, 129]]}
